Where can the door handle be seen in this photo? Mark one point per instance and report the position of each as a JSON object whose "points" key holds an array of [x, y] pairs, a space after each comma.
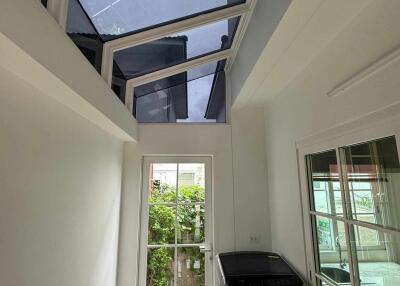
{"points": [[205, 248]]}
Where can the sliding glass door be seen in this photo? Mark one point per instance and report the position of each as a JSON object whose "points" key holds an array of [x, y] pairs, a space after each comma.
{"points": [[354, 210]]}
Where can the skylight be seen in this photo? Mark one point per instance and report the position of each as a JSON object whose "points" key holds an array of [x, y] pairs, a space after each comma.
{"points": [[164, 59], [197, 95], [116, 17], [176, 48]]}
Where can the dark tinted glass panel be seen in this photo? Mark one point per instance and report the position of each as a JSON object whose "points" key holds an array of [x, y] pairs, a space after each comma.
{"points": [[178, 79], [159, 53], [116, 17], [372, 170], [118, 84], [324, 183], [199, 100], [176, 49], [84, 35]]}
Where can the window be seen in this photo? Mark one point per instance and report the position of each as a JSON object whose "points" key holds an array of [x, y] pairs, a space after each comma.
{"points": [[354, 199], [115, 18], [176, 49], [177, 217], [197, 95], [148, 51], [82, 32]]}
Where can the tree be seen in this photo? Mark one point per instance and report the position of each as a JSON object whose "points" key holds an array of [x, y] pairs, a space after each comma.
{"points": [[190, 222]]}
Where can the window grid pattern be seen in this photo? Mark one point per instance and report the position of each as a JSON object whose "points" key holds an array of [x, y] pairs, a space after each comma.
{"points": [[180, 248], [340, 190]]}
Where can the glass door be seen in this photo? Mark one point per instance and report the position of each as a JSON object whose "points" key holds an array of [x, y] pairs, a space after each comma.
{"points": [[354, 211], [176, 235]]}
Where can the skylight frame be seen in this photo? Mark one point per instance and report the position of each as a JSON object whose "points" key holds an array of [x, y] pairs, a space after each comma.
{"points": [[59, 10], [115, 45], [243, 10]]}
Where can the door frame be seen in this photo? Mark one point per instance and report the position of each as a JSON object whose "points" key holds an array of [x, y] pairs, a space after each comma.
{"points": [[209, 211]]}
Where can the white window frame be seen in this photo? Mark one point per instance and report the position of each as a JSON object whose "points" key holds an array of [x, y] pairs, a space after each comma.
{"points": [[59, 10], [209, 213], [113, 46], [377, 125]]}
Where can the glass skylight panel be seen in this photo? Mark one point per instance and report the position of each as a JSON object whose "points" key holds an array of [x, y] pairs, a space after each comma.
{"points": [[176, 49], [197, 95], [113, 18], [178, 79], [81, 31]]}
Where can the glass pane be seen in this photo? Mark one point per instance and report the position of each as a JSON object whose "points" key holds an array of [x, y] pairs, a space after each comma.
{"points": [[182, 78], [176, 49], [115, 17], [191, 267], [368, 237], [378, 266], [363, 202], [84, 35], [321, 283], [163, 183], [324, 176], [199, 100], [331, 249], [161, 224], [190, 224], [160, 266], [373, 173], [191, 182]]}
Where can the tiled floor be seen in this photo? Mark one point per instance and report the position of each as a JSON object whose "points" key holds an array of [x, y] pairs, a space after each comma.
{"points": [[377, 273], [380, 273]]}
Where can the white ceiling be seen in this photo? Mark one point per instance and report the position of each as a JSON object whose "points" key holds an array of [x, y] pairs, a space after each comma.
{"points": [[323, 41]]}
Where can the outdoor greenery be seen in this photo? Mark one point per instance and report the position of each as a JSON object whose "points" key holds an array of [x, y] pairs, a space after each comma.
{"points": [[190, 229]]}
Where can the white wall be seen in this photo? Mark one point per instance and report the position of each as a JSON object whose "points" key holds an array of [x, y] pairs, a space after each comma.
{"points": [[265, 19], [36, 48], [60, 181], [239, 182], [250, 180], [304, 109], [130, 217]]}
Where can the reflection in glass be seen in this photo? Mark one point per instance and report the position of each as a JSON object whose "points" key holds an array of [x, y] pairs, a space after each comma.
{"points": [[373, 173], [84, 35], [161, 224], [378, 266], [163, 177], [160, 266], [331, 249], [190, 224], [199, 100], [324, 178], [321, 283], [175, 49], [191, 267], [191, 182], [115, 17]]}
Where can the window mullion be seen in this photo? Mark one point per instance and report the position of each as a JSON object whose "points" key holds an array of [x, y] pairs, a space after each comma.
{"points": [[176, 227], [349, 230]]}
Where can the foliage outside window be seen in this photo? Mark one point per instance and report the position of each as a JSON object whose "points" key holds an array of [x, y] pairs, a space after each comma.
{"points": [[176, 219]]}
